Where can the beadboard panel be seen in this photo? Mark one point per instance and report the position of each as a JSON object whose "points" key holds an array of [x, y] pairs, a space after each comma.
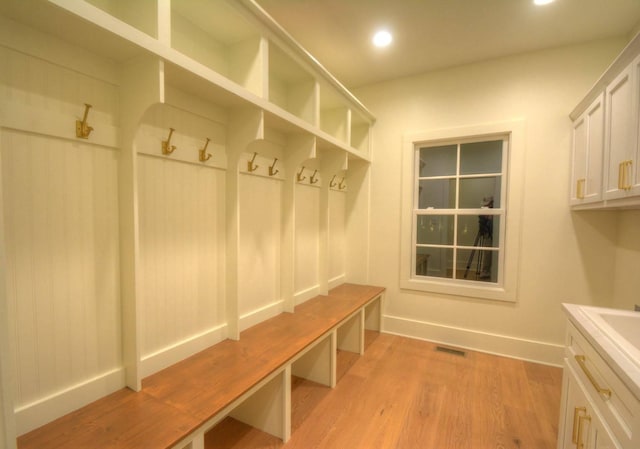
{"points": [[307, 232], [56, 90], [259, 246], [337, 235], [61, 219], [182, 236]]}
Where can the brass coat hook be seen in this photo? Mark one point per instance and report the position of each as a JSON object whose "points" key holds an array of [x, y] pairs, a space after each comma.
{"points": [[272, 170], [250, 165], [203, 155], [167, 148], [342, 185], [333, 183], [313, 179], [82, 127], [299, 176]]}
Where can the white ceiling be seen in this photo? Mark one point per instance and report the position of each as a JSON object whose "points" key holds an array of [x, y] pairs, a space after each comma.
{"points": [[433, 34]]}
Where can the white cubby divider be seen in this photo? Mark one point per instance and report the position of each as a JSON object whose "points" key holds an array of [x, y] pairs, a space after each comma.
{"points": [[221, 74]]}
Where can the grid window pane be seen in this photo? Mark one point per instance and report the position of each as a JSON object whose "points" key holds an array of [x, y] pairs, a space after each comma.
{"points": [[437, 193], [477, 265], [435, 262], [480, 192], [438, 161], [481, 157], [435, 229], [479, 230]]}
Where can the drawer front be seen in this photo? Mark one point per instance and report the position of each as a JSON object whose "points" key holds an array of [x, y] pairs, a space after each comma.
{"points": [[614, 401]]}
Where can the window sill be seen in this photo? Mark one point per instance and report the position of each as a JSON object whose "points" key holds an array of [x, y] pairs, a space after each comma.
{"points": [[466, 288]]}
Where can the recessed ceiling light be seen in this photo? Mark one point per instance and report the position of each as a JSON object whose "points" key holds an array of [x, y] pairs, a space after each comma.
{"points": [[382, 38], [542, 2]]}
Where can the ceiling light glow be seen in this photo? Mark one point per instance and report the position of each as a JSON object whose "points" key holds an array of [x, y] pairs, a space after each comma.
{"points": [[542, 2], [382, 38]]}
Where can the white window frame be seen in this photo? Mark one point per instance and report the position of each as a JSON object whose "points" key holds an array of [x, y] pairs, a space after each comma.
{"points": [[513, 171]]}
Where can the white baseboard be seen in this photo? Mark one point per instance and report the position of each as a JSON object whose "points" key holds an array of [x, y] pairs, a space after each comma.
{"points": [[44, 410], [264, 313], [338, 280], [305, 295], [504, 345], [167, 356]]}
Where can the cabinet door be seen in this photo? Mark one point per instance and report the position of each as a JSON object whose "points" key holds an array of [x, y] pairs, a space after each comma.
{"points": [[580, 424], [574, 426], [588, 149], [601, 437], [621, 133]]}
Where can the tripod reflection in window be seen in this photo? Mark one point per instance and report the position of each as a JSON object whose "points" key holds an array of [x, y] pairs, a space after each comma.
{"points": [[484, 239]]}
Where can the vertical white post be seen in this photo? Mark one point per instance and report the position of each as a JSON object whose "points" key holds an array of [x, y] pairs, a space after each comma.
{"points": [[142, 86], [7, 416], [298, 149], [331, 164], [245, 126], [358, 225]]}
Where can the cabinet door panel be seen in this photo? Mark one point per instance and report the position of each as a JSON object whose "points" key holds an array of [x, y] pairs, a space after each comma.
{"points": [[620, 133], [595, 150], [588, 149], [580, 424]]}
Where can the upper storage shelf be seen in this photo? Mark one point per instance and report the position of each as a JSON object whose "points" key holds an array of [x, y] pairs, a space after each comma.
{"points": [[227, 51], [216, 35]]}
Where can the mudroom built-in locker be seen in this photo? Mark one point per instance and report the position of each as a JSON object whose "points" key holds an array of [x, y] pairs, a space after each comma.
{"points": [[172, 174]]}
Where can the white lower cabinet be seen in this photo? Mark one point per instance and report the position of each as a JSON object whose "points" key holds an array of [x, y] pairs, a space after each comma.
{"points": [[598, 409], [581, 426]]}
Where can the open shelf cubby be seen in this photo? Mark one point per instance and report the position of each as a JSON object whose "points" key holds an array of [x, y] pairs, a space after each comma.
{"points": [[291, 87], [217, 36], [142, 15]]}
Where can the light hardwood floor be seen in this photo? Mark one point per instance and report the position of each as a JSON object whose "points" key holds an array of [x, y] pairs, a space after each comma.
{"points": [[404, 394]]}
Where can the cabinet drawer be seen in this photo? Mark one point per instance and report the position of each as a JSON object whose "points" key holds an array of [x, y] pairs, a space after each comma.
{"points": [[613, 399]]}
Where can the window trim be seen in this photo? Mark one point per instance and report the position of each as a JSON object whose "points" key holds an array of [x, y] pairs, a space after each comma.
{"points": [[507, 290]]}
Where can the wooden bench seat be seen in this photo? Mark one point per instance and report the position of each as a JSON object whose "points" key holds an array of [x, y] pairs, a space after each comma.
{"points": [[177, 405]]}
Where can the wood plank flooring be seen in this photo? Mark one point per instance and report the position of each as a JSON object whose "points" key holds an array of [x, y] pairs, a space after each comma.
{"points": [[404, 394]]}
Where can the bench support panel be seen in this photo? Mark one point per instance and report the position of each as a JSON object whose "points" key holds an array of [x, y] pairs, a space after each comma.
{"points": [[269, 408], [373, 315], [319, 363], [351, 334]]}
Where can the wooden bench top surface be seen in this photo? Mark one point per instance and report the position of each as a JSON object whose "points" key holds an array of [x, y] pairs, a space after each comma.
{"points": [[177, 400]]}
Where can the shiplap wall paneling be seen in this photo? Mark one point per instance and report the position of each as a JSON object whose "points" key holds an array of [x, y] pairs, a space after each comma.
{"points": [[61, 215], [259, 249], [307, 231], [181, 205], [7, 416], [61, 221], [357, 221], [337, 237]]}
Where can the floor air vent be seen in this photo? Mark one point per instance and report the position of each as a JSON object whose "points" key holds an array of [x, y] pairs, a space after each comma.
{"points": [[454, 351]]}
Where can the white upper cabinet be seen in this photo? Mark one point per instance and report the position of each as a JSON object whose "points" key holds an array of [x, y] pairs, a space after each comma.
{"points": [[621, 134], [588, 146], [606, 152]]}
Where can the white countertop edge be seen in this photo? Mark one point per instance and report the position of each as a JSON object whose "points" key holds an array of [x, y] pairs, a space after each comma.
{"points": [[619, 362]]}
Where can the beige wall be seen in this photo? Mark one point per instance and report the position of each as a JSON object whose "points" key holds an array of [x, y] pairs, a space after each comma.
{"points": [[627, 269], [564, 257]]}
